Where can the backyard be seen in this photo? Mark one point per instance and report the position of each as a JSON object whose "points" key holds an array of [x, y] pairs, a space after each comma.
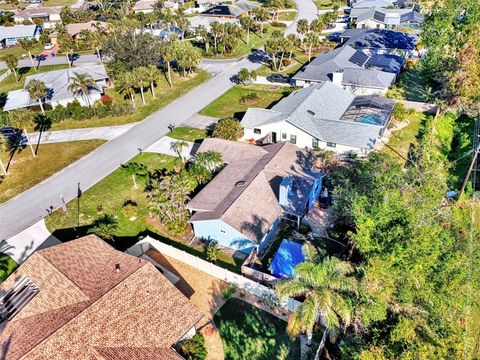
{"points": [[229, 104], [111, 196], [250, 333], [26, 171], [409, 87]]}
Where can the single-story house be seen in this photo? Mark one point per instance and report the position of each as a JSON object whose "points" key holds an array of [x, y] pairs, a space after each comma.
{"points": [[234, 10], [197, 21], [243, 204], [85, 300], [57, 83], [354, 70], [149, 6], [49, 16], [322, 116], [75, 29], [9, 35], [379, 18], [354, 4], [380, 41]]}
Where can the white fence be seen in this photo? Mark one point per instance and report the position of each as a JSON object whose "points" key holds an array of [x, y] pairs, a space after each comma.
{"points": [[5, 74], [220, 273]]}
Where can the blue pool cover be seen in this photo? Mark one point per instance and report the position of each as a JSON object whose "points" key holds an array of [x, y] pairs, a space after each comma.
{"points": [[289, 254]]}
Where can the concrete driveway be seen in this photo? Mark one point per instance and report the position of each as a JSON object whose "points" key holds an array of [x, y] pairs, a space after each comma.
{"points": [[164, 146], [306, 9]]}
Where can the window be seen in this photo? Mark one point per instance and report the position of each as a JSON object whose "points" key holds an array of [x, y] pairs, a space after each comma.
{"points": [[257, 131], [314, 143], [293, 139], [329, 144], [223, 231], [284, 136]]}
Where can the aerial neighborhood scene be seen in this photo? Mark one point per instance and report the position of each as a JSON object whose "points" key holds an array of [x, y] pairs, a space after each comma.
{"points": [[239, 179]]}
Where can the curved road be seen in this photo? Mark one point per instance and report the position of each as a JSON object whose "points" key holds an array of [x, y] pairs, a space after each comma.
{"points": [[306, 9]]}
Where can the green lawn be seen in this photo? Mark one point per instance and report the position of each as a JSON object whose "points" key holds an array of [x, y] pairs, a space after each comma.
{"points": [[109, 195], [250, 333], [409, 87], [20, 53], [26, 171], [403, 139], [328, 4], [10, 84], [59, 2], [164, 95], [188, 134], [287, 16], [228, 105], [7, 266]]}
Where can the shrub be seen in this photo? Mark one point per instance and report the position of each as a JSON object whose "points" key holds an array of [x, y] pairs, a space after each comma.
{"points": [[106, 99], [228, 129], [304, 228], [249, 98], [21, 118], [59, 113], [278, 24], [228, 292], [400, 113], [194, 348], [129, 208]]}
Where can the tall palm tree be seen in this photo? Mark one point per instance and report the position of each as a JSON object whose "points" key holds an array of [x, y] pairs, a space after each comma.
{"points": [[4, 146], [153, 75], [211, 160], [311, 40], [27, 45], [247, 24], [168, 55], [105, 226], [67, 45], [142, 79], [216, 28], [12, 63], [290, 44], [325, 284], [81, 84], [125, 84], [177, 147], [261, 15], [302, 27], [203, 33], [37, 90]]}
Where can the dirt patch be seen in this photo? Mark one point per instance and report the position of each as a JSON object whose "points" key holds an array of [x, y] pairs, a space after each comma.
{"points": [[155, 223]]}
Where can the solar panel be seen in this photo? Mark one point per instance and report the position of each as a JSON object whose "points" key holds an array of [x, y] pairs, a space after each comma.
{"points": [[359, 58], [379, 16], [15, 298]]}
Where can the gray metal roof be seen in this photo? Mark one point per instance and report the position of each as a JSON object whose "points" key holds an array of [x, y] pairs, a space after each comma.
{"points": [[18, 31], [331, 114]]}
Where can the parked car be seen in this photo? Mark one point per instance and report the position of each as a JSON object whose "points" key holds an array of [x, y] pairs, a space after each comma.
{"points": [[14, 135], [49, 46], [278, 78], [335, 36]]}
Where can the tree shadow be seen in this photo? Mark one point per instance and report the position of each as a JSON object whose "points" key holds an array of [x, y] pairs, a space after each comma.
{"points": [[42, 123]]}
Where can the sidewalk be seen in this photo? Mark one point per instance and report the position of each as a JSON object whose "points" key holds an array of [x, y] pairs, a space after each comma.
{"points": [[164, 146]]}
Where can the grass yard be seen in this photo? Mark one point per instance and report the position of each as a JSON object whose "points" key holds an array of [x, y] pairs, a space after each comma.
{"points": [[228, 105], [188, 134], [164, 95], [328, 4], [403, 139], [10, 84], [58, 2], [7, 266], [20, 53], [409, 87], [250, 333], [109, 195], [287, 16], [26, 171]]}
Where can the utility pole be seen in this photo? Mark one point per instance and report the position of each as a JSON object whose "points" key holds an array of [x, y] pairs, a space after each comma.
{"points": [[470, 168], [474, 164], [29, 142]]}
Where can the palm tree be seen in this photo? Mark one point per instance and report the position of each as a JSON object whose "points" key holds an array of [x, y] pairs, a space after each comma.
{"points": [[216, 29], [168, 55], [37, 90], [290, 44], [210, 160], [4, 147], [142, 79], [183, 24], [105, 226], [125, 84], [324, 283], [272, 46], [187, 57], [302, 27], [203, 33], [153, 75], [261, 14], [317, 25], [67, 45], [27, 45], [200, 173], [81, 84], [177, 147], [12, 63], [247, 23], [311, 40]]}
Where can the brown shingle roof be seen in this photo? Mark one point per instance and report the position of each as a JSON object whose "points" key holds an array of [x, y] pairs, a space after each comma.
{"points": [[87, 310], [251, 208]]}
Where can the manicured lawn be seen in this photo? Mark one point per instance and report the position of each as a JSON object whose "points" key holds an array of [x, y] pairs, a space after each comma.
{"points": [[409, 87], [250, 333], [164, 95], [7, 266], [20, 53], [228, 105], [287, 16], [402, 139], [58, 2], [328, 4], [26, 171], [188, 134], [10, 84], [109, 195]]}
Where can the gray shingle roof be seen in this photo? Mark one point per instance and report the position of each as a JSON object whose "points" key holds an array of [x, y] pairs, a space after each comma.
{"points": [[370, 3], [379, 39], [368, 78], [386, 16], [18, 31]]}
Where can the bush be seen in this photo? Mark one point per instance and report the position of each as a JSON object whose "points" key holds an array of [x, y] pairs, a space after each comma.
{"points": [[304, 228], [228, 129], [105, 99], [249, 98], [278, 24], [194, 348], [227, 292], [129, 208], [400, 113]]}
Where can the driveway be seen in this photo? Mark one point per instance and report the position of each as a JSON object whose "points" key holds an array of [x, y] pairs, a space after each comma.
{"points": [[57, 60], [29, 207], [306, 9], [164, 146]]}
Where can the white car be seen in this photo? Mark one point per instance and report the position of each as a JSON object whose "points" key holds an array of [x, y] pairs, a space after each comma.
{"points": [[49, 46]]}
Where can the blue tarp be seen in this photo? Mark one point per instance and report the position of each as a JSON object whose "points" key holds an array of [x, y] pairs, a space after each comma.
{"points": [[289, 254]]}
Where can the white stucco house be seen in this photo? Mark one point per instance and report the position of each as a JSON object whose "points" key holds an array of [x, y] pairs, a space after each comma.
{"points": [[46, 16], [380, 18], [322, 116], [57, 83]]}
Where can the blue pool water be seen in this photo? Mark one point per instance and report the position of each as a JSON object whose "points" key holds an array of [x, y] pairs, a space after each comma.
{"points": [[289, 254], [369, 119]]}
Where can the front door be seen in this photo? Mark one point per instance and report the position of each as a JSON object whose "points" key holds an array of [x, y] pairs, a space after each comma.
{"points": [[274, 137]]}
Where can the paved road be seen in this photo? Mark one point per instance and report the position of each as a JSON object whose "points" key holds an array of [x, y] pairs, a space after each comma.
{"points": [[306, 9], [29, 207]]}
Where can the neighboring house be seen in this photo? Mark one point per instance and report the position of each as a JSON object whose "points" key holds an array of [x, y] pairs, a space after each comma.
{"points": [[149, 6], [57, 83], [48, 17], [380, 41], [196, 21], [75, 29], [322, 116], [243, 204], [234, 10], [9, 35], [378, 18], [354, 70], [380, 3], [85, 300]]}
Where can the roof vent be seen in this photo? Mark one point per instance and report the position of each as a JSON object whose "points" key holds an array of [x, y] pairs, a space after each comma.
{"points": [[310, 112], [240, 183], [14, 299], [117, 267]]}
